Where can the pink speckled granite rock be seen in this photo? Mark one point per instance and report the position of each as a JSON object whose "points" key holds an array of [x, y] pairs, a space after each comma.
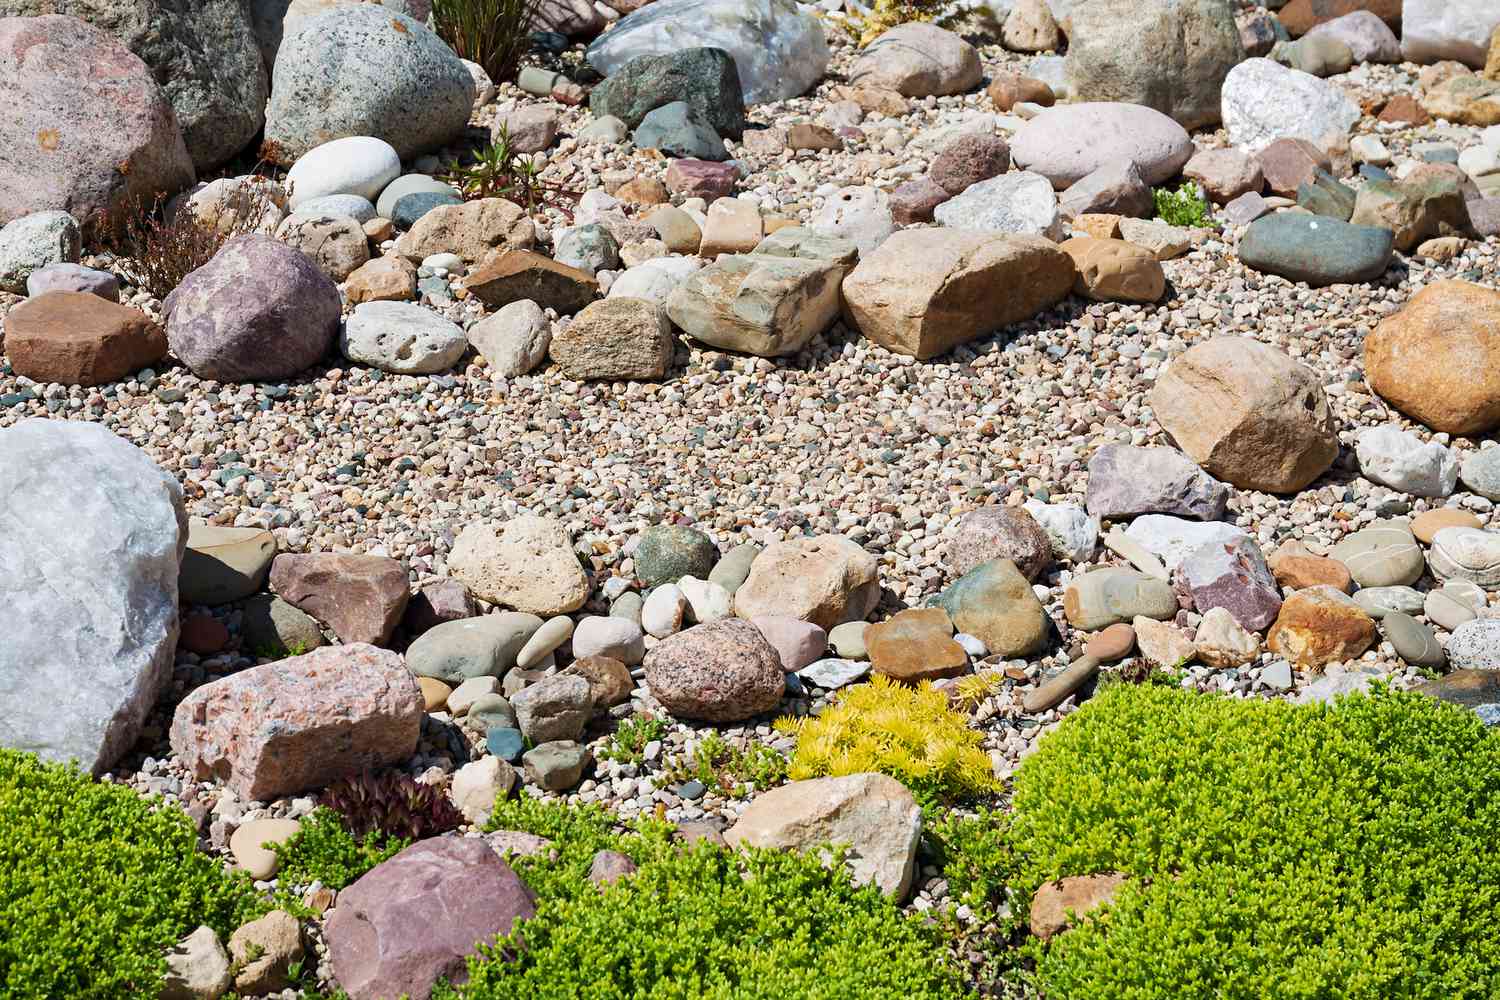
{"points": [[360, 597], [301, 722]]}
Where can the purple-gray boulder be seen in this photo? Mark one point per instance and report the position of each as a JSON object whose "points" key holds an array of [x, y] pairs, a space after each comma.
{"points": [[258, 310], [1125, 480], [416, 918], [722, 671], [86, 129], [1232, 575]]}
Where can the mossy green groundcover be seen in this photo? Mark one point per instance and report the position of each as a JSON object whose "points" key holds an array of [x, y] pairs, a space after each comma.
{"points": [[96, 884], [1278, 851]]}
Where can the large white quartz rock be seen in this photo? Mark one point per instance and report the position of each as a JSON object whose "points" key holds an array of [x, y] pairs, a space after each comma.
{"points": [[779, 51], [91, 536], [1263, 101]]}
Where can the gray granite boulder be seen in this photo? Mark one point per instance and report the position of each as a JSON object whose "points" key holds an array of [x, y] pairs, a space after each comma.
{"points": [[1125, 480], [705, 78]]}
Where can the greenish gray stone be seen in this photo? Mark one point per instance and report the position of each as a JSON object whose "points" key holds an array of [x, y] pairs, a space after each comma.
{"points": [[505, 742], [806, 244], [669, 552], [1381, 601], [1413, 641], [732, 571], [409, 208], [681, 133], [1103, 597], [1385, 554], [385, 205], [628, 606], [706, 79], [1317, 249], [848, 640], [1324, 195], [555, 766], [490, 711], [1480, 472], [271, 627], [485, 646], [590, 248], [994, 603]]}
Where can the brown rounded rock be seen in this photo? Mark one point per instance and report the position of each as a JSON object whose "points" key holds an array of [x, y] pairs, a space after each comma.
{"points": [[722, 671], [1297, 569], [360, 597], [1114, 643], [203, 634], [1427, 524], [76, 338], [434, 693], [1319, 626], [968, 160], [609, 679], [1248, 414], [1114, 270], [384, 279], [1009, 89], [643, 191], [1055, 904], [1438, 359], [915, 645]]}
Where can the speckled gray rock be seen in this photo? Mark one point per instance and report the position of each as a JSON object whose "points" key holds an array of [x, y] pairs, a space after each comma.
{"points": [[723, 671], [554, 708], [1378, 602], [87, 128], [91, 534], [34, 241], [1476, 645], [1125, 480], [1020, 202], [998, 532], [485, 646], [1263, 101], [681, 132], [1382, 555], [336, 243], [402, 337], [514, 339], [258, 310], [363, 69], [1170, 55], [668, 552]]}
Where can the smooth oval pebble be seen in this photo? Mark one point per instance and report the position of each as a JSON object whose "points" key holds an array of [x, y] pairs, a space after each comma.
{"points": [[434, 693], [1447, 611], [245, 844], [1114, 643], [1427, 524], [1413, 641], [1476, 645], [848, 640], [553, 633], [1471, 554]]}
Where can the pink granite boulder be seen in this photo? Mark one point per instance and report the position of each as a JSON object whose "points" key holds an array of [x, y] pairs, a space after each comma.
{"points": [[360, 597], [300, 723]]}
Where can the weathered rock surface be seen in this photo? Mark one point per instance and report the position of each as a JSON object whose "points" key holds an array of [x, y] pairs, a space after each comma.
{"points": [[722, 671]]}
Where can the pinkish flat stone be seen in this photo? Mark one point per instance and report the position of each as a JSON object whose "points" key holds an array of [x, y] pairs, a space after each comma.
{"points": [[796, 641], [702, 179], [360, 597], [302, 722]]}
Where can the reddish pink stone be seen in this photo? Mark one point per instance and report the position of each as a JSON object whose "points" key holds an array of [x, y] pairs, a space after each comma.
{"points": [[301, 722], [360, 597], [797, 642], [416, 918], [701, 179], [916, 200]]}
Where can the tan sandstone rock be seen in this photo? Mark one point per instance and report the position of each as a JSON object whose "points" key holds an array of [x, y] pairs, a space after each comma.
{"points": [[826, 580]]}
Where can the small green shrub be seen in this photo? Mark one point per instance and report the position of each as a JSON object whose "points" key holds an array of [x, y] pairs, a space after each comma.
{"points": [[577, 833], [97, 883], [493, 33], [975, 856], [628, 742], [1183, 207], [908, 733], [728, 769], [1277, 851], [710, 924], [324, 850]]}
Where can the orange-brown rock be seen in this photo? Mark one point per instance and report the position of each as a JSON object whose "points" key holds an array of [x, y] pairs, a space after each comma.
{"points": [[1099, 225], [1301, 16], [915, 645], [1297, 569], [511, 275], [1319, 626], [1404, 109], [643, 191], [1074, 894], [1427, 524], [1010, 89], [383, 279], [80, 339], [1114, 270], [1438, 359]]}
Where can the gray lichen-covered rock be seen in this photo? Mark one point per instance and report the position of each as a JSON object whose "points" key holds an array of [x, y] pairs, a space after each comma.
{"points": [[86, 128], [91, 533], [258, 310], [365, 70], [402, 337], [34, 241], [779, 52], [706, 78], [203, 53], [758, 303]]}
